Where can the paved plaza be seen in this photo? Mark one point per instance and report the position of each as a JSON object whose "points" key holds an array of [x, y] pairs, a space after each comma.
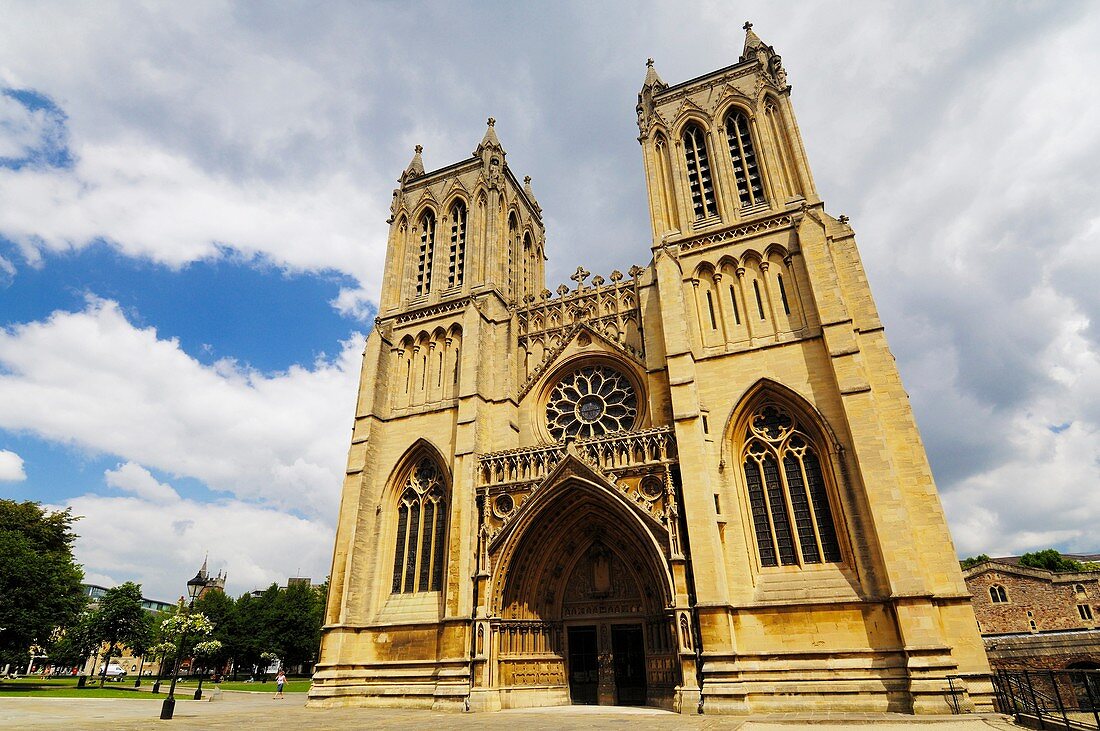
{"points": [[259, 711]]}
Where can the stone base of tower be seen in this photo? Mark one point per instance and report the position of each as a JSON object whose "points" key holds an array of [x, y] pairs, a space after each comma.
{"points": [[431, 685], [871, 689]]}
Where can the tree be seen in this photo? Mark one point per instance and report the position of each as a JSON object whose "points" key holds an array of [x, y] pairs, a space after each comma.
{"points": [[974, 560], [252, 630], [219, 609], [296, 618], [1050, 560], [73, 645], [120, 620], [40, 583]]}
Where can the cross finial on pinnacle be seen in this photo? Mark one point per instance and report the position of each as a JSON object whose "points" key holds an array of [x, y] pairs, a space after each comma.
{"points": [[492, 121], [747, 25], [526, 179], [419, 149], [579, 276], [649, 62]]}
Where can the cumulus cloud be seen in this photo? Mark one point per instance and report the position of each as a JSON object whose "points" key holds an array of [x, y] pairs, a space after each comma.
{"points": [[134, 478], [138, 539], [24, 129], [11, 467], [92, 379]]}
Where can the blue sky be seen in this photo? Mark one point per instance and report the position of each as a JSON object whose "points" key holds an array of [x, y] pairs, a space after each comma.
{"points": [[192, 209]]}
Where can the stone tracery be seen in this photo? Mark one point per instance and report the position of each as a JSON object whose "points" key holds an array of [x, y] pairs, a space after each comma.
{"points": [[590, 402]]}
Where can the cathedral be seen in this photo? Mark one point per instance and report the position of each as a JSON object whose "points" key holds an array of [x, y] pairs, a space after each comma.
{"points": [[697, 485]]}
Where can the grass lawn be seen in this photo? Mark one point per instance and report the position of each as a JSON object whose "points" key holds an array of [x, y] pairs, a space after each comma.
{"points": [[66, 688], [295, 685]]}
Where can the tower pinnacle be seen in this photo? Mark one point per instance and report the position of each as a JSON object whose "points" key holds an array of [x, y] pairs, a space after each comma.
{"points": [[490, 139], [653, 80], [770, 61], [416, 166]]}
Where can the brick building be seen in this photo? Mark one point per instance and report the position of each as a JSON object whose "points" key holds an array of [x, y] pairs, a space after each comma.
{"points": [[1034, 618]]}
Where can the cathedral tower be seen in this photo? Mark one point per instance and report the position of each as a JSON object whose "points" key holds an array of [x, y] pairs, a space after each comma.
{"points": [[698, 485]]}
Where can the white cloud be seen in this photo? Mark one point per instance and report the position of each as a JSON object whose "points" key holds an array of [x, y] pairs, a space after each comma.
{"points": [[21, 130], [92, 379], [134, 478], [161, 546], [159, 205], [11, 467], [355, 302]]}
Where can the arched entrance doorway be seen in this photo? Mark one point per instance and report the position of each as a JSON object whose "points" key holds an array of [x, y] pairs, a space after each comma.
{"points": [[582, 602]]}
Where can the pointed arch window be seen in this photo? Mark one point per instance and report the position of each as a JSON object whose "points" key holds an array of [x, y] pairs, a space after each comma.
{"points": [[427, 251], [788, 493], [457, 259], [421, 531], [526, 263], [997, 594], [513, 242], [746, 172], [664, 183], [698, 169]]}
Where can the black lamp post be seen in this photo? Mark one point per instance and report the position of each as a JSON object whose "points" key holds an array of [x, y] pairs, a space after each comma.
{"points": [[194, 586]]}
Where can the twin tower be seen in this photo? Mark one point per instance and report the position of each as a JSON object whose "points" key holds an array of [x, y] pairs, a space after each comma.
{"points": [[696, 485]]}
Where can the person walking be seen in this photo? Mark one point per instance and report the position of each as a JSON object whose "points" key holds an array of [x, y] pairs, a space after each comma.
{"points": [[280, 681]]}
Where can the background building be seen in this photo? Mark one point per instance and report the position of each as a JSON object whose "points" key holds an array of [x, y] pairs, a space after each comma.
{"points": [[94, 592], [1036, 619], [698, 485]]}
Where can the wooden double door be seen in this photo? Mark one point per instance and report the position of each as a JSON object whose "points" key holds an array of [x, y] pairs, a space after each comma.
{"points": [[606, 664]]}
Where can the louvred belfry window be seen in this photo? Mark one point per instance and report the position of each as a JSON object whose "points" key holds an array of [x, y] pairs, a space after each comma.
{"points": [[457, 258], [427, 251], [421, 531], [698, 169], [788, 492], [745, 170]]}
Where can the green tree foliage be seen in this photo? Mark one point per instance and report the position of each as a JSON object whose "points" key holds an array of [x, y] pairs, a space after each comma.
{"points": [[218, 608], [72, 646], [296, 619], [249, 633], [1050, 560], [974, 560], [40, 583], [119, 621]]}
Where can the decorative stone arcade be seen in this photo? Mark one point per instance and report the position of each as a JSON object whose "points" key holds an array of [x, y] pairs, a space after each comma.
{"points": [[582, 576]]}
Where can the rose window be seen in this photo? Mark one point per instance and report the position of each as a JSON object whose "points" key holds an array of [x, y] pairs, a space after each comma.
{"points": [[591, 401]]}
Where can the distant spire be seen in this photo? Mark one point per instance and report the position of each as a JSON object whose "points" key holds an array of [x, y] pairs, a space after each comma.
{"points": [[416, 166], [202, 571], [653, 80]]}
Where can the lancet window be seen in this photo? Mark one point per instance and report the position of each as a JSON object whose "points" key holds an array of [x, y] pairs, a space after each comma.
{"points": [[788, 491], [427, 251], [457, 259], [513, 242], [745, 170], [526, 264], [997, 594], [665, 187], [698, 169], [421, 531]]}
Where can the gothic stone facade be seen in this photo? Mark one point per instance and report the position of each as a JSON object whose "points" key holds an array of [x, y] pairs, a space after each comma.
{"points": [[1035, 619], [698, 485]]}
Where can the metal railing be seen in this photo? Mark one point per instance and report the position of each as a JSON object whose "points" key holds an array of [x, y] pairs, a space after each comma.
{"points": [[1061, 699]]}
